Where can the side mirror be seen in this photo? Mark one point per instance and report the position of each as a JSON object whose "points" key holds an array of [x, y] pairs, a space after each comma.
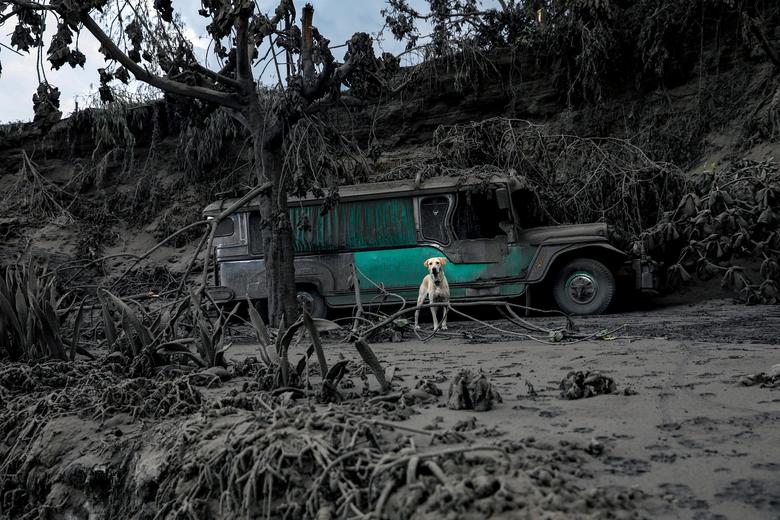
{"points": [[502, 198]]}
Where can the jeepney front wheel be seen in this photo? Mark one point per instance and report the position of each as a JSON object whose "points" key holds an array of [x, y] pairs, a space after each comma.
{"points": [[584, 286], [312, 301]]}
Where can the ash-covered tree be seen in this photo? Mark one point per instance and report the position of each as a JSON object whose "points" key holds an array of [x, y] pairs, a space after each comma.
{"points": [[148, 44], [591, 48]]}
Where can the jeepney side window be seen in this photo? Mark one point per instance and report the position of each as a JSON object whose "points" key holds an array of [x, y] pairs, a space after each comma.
{"points": [[433, 218], [477, 215]]}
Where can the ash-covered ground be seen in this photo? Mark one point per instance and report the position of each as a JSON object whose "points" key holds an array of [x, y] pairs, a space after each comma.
{"points": [[680, 435]]}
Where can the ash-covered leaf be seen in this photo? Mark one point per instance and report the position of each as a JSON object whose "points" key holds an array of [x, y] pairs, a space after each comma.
{"points": [[46, 103], [676, 275], [106, 96], [22, 39], [767, 217], [770, 269], [134, 33], [732, 277], [105, 76], [768, 290], [688, 206], [165, 9], [122, 75], [59, 52], [76, 57], [706, 270], [740, 240]]}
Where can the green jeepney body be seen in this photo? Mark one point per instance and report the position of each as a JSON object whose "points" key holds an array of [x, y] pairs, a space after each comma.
{"points": [[387, 230]]}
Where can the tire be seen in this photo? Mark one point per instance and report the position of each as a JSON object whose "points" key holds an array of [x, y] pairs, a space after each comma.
{"points": [[584, 286], [313, 302]]}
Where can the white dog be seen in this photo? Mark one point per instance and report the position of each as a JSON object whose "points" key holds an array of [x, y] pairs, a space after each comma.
{"points": [[435, 287]]}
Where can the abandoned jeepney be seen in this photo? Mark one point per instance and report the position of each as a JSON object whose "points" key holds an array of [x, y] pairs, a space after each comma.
{"points": [[386, 230]]}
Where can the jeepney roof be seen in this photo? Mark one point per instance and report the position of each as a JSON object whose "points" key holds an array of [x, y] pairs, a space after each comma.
{"points": [[388, 189]]}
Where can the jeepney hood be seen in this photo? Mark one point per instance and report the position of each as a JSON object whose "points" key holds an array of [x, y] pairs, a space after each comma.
{"points": [[568, 233]]}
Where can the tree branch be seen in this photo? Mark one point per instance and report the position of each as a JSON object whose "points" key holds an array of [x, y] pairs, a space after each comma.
{"points": [[331, 76], [227, 69], [216, 76], [243, 67], [312, 91], [307, 63], [141, 74], [276, 64]]}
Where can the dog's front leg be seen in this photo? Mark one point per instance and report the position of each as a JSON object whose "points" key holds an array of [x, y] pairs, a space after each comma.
{"points": [[444, 318], [420, 300], [435, 319]]}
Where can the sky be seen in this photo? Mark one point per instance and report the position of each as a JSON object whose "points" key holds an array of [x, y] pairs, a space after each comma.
{"points": [[337, 20]]}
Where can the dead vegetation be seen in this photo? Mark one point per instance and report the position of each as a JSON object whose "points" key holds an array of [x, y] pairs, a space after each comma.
{"points": [[768, 379], [573, 178], [33, 193], [272, 459], [33, 318], [728, 216], [579, 385]]}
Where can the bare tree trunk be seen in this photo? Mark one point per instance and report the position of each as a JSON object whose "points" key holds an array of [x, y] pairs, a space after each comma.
{"points": [[277, 228], [279, 256], [282, 247]]}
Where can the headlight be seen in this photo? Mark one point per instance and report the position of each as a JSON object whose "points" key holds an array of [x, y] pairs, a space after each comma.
{"points": [[220, 294]]}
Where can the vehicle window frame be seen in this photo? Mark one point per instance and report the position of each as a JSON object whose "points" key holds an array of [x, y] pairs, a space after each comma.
{"points": [[447, 218], [219, 231]]}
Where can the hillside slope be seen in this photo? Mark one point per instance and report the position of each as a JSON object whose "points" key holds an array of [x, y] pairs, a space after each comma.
{"points": [[115, 181]]}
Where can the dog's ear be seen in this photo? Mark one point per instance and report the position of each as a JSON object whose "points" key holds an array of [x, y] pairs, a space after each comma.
{"points": [[442, 260], [426, 263]]}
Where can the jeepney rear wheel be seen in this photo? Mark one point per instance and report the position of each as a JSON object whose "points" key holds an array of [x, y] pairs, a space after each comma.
{"points": [[312, 301], [584, 286]]}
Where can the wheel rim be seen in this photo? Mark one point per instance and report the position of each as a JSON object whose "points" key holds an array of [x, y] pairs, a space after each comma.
{"points": [[306, 300], [582, 288]]}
